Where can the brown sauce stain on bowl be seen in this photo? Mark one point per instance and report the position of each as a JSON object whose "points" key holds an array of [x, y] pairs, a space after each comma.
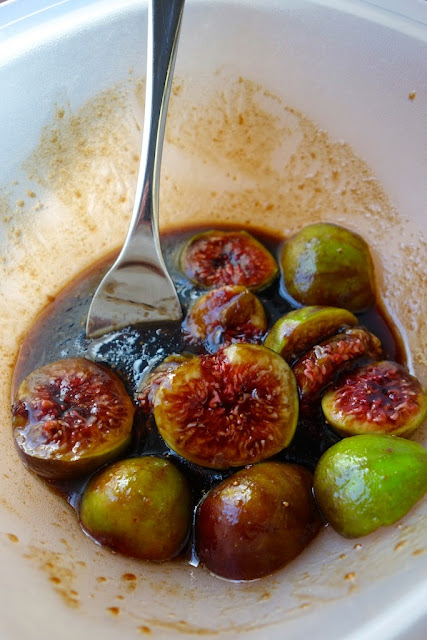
{"points": [[400, 544], [265, 596], [129, 577], [60, 572], [12, 537]]}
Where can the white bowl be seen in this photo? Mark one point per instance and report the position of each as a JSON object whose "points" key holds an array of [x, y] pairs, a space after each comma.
{"points": [[284, 112]]}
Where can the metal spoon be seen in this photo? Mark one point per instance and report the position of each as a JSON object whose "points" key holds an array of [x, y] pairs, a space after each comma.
{"points": [[138, 287]]}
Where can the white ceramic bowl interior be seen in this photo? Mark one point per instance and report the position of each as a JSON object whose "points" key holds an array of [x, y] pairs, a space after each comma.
{"points": [[283, 112]]}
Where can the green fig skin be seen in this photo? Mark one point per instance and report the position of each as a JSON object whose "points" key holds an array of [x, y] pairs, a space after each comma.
{"points": [[302, 328], [140, 507], [325, 264], [369, 481]]}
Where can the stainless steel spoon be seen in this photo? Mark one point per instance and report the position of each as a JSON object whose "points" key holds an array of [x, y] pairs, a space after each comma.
{"points": [[138, 287]]}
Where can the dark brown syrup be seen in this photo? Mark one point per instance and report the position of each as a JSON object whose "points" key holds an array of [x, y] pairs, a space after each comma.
{"points": [[59, 332]]}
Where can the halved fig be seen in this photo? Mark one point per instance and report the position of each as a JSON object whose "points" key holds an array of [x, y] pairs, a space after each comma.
{"points": [[233, 408], [326, 264], [300, 329], [317, 368], [256, 521], [144, 395], [224, 316], [381, 397], [70, 417], [217, 258], [140, 507]]}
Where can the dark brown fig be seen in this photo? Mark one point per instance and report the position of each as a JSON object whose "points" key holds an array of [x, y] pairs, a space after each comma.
{"points": [[302, 328], [256, 521], [144, 395], [381, 397], [70, 417], [140, 507], [326, 264], [319, 366], [233, 408], [217, 258], [224, 316]]}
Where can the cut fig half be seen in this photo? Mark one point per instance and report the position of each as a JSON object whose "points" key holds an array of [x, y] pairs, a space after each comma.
{"points": [[224, 316], [218, 258], [144, 395], [380, 398], [302, 328], [237, 407], [70, 417], [319, 366]]}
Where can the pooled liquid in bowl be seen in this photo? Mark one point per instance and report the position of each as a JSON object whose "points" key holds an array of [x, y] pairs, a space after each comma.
{"points": [[133, 352]]}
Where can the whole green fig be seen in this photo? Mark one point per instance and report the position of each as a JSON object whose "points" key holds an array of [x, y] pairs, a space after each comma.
{"points": [[325, 264], [365, 482], [140, 507]]}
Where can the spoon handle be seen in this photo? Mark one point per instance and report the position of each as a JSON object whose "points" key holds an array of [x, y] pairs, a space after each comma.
{"points": [[138, 287], [164, 19]]}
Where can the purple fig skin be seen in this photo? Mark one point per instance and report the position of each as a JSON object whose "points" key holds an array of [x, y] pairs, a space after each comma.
{"points": [[256, 521]]}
